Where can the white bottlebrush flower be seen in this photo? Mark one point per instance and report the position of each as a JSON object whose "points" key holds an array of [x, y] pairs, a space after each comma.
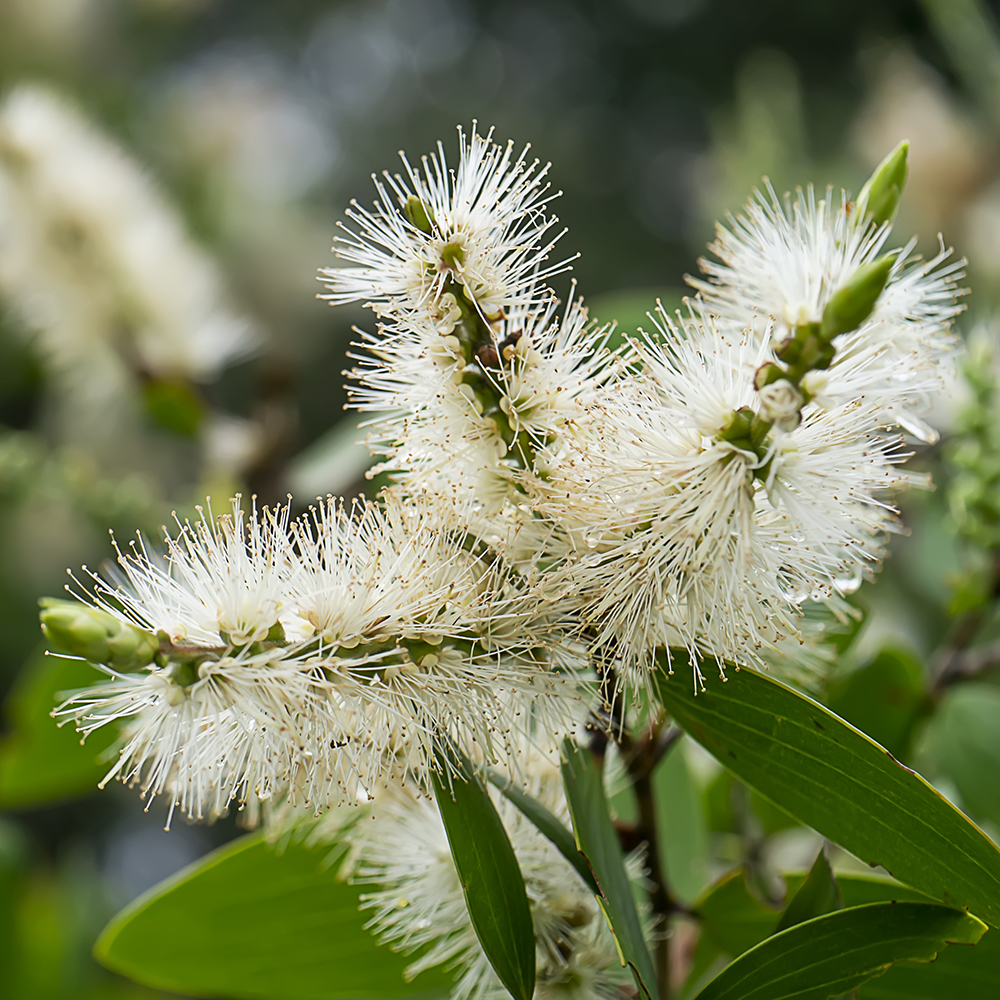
{"points": [[689, 539], [95, 259], [476, 237], [312, 659], [416, 897], [448, 426], [779, 263]]}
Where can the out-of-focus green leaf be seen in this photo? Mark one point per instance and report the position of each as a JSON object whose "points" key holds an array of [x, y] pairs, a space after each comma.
{"points": [[817, 896], [491, 880], [732, 916], [962, 740], [833, 954], [841, 783], [39, 761], [174, 405], [548, 825], [247, 921], [884, 699], [680, 823], [596, 838]]}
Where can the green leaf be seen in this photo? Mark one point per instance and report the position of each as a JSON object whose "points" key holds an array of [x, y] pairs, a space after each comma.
{"points": [[491, 880], [836, 953], [962, 740], [680, 824], [597, 839], [841, 783], [818, 895], [39, 761], [548, 825], [249, 922], [732, 916], [884, 699]]}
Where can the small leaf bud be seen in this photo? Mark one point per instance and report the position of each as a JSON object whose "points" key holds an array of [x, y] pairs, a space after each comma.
{"points": [[882, 191], [854, 301]]}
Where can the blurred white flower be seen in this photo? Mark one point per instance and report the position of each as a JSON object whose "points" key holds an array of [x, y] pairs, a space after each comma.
{"points": [[95, 259]]}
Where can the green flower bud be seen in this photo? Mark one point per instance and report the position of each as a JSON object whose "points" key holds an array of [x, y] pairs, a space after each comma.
{"points": [[416, 212], [738, 428], [853, 302], [767, 373], [882, 191], [96, 635]]}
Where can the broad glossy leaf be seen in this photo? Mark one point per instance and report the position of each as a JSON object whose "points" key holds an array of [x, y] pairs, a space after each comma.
{"points": [[491, 880], [547, 824], [817, 896], [251, 923], [597, 840], [39, 761], [841, 783], [833, 954], [733, 915], [963, 742], [680, 824], [884, 699]]}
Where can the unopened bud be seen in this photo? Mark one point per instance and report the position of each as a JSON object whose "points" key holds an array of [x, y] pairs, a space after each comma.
{"points": [[95, 635], [781, 404], [853, 302], [738, 428], [882, 191], [416, 212], [767, 373]]}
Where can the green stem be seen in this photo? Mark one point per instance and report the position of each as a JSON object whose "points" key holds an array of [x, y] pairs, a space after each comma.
{"points": [[641, 758]]}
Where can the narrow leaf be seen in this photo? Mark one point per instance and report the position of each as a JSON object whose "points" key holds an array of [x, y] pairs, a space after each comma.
{"points": [[834, 954], [548, 825], [597, 840], [491, 880], [816, 896], [250, 923], [841, 783]]}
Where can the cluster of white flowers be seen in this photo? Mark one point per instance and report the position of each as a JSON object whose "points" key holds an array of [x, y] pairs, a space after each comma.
{"points": [[703, 486], [695, 487], [94, 258], [310, 660]]}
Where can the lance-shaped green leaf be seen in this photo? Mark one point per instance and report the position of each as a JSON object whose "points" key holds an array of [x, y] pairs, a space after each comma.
{"points": [[834, 954], [548, 825], [841, 783], [252, 923], [884, 188], [597, 840], [818, 895], [491, 879]]}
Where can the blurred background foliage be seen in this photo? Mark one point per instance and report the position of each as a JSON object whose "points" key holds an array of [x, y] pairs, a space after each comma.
{"points": [[186, 354]]}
